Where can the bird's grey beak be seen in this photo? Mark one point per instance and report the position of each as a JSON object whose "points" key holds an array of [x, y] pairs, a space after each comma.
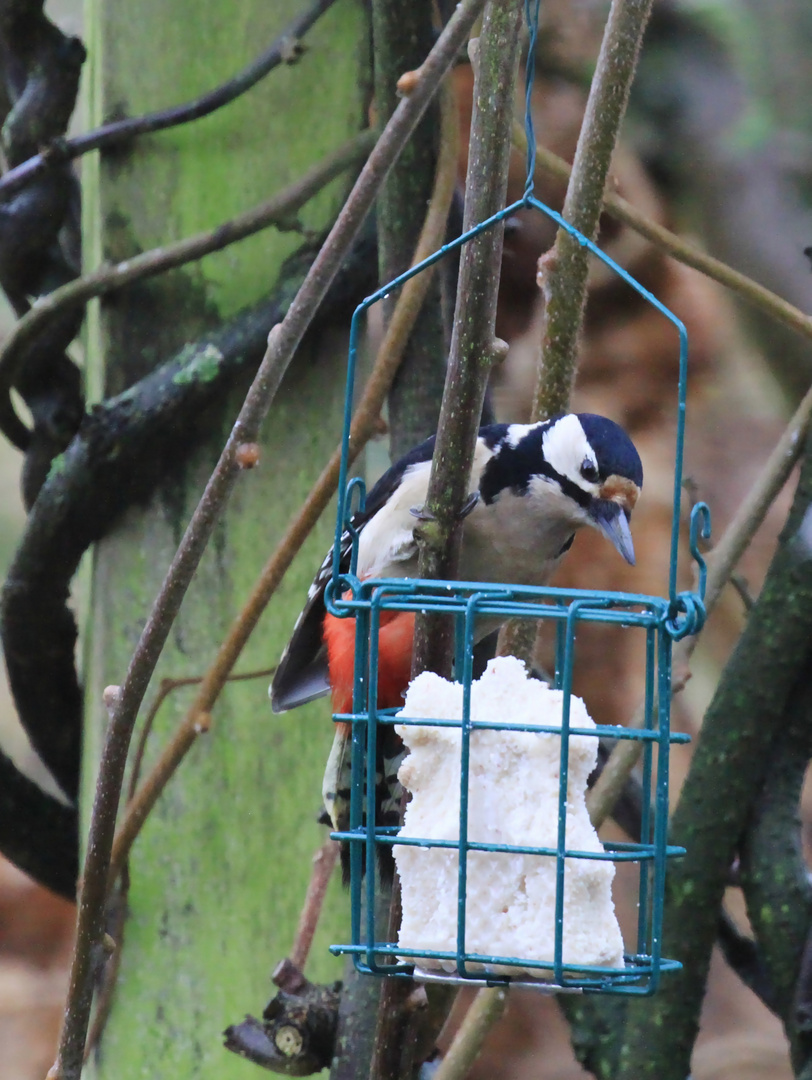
{"points": [[613, 522]]}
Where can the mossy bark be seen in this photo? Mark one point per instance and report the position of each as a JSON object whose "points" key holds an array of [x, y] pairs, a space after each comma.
{"points": [[774, 877], [219, 873], [741, 733], [402, 36]]}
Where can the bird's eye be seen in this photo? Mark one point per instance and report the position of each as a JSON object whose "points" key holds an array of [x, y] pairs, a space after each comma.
{"points": [[589, 470]]}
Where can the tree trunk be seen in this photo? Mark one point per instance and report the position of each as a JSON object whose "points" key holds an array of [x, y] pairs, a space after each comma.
{"points": [[219, 873]]}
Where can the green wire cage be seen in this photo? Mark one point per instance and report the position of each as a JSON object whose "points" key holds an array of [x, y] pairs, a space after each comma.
{"points": [[658, 620]]}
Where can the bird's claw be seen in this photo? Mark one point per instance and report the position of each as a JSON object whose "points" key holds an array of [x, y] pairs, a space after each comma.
{"points": [[469, 505], [423, 515]]}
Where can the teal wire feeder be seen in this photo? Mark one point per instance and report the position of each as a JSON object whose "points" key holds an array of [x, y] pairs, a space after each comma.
{"points": [[658, 620]]}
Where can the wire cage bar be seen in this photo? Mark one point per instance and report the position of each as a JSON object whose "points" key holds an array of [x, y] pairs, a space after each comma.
{"points": [[659, 620], [567, 609]]}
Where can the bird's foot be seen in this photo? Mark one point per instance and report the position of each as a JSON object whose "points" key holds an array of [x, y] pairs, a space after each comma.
{"points": [[423, 515]]}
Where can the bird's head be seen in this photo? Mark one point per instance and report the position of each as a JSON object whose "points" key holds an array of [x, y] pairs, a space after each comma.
{"points": [[580, 467], [598, 467]]}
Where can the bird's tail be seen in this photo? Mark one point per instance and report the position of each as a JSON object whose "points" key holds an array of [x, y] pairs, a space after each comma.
{"points": [[337, 783]]}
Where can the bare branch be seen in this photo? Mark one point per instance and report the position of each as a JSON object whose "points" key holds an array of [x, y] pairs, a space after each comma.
{"points": [[680, 249], [167, 687], [364, 426], [275, 211], [741, 727], [563, 271], [724, 556], [470, 360], [472, 345], [486, 1008], [324, 862], [739, 583], [109, 980], [282, 342], [38, 833], [721, 562], [284, 49]]}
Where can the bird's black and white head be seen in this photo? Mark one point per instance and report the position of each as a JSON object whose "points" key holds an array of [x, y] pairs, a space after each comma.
{"points": [[578, 469]]}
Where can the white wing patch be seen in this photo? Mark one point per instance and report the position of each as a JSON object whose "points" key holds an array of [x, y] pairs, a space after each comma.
{"points": [[387, 542], [386, 546]]}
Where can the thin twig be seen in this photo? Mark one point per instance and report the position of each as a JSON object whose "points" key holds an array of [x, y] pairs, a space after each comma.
{"points": [[364, 426], [473, 349], [106, 992], [107, 989], [562, 271], [282, 343], [740, 732], [739, 583], [752, 510], [168, 686], [518, 638], [486, 1009], [164, 690], [604, 793], [285, 49], [324, 862], [277, 210], [562, 279], [721, 562], [471, 356], [679, 248]]}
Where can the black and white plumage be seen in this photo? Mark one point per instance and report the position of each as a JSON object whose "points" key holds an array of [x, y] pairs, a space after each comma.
{"points": [[536, 485]]}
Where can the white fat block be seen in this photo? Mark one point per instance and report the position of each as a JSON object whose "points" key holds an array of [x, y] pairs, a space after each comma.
{"points": [[513, 799]]}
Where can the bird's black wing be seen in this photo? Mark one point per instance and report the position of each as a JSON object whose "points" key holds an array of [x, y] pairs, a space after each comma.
{"points": [[301, 674]]}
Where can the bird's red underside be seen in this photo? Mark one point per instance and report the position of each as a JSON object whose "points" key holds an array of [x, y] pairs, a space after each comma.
{"points": [[395, 640]]}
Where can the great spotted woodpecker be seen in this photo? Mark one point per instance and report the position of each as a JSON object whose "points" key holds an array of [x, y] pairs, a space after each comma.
{"points": [[533, 486]]}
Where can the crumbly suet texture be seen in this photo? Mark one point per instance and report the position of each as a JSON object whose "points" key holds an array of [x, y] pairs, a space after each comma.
{"points": [[513, 799]]}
